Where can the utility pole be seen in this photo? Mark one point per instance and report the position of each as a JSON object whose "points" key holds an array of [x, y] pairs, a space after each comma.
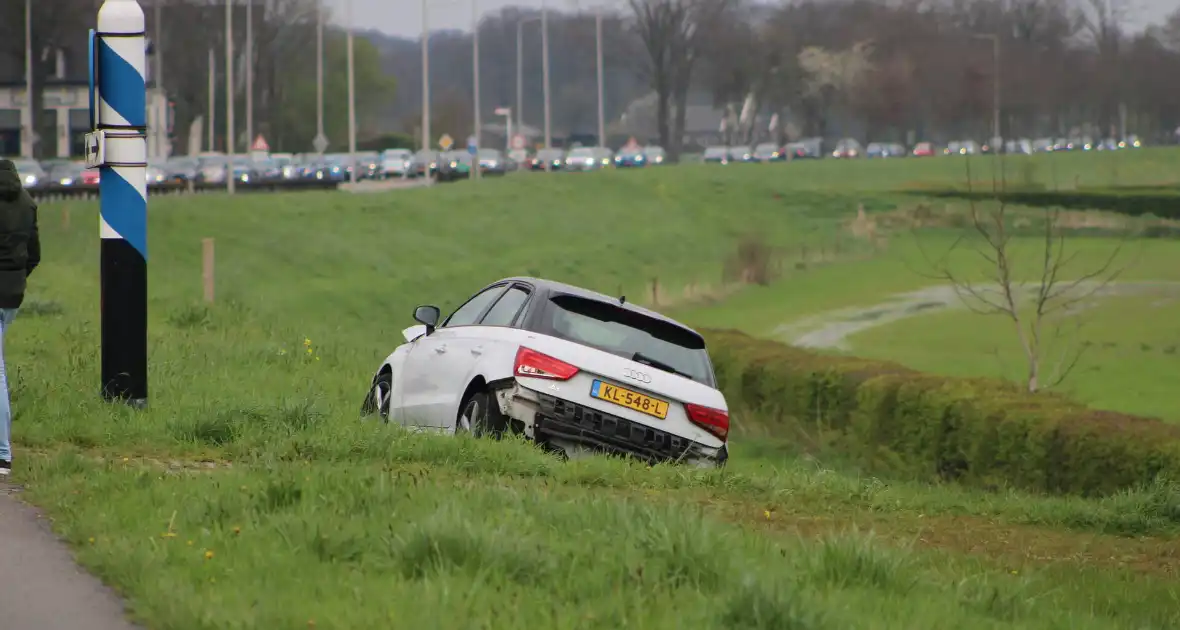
{"points": [[229, 96], [249, 71], [478, 128], [601, 82], [320, 142], [426, 83], [32, 131], [212, 99], [352, 174], [545, 71]]}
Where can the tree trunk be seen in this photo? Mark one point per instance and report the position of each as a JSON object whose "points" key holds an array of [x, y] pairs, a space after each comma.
{"points": [[662, 98]]}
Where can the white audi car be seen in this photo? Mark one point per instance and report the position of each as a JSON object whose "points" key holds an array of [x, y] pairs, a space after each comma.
{"points": [[573, 370]]}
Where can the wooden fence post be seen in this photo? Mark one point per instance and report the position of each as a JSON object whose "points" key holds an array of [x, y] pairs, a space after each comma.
{"points": [[207, 267]]}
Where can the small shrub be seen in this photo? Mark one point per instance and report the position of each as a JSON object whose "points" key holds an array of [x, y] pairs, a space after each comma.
{"points": [[41, 308], [752, 262]]}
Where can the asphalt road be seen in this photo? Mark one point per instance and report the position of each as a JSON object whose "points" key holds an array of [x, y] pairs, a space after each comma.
{"points": [[41, 588]]}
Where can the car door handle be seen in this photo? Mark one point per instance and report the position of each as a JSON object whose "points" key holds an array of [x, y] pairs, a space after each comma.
{"points": [[440, 349], [478, 350]]}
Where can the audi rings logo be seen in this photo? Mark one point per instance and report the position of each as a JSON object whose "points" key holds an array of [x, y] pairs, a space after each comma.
{"points": [[636, 375]]}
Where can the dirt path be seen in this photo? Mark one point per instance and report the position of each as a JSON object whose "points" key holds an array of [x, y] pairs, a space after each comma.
{"points": [[42, 588], [832, 329]]}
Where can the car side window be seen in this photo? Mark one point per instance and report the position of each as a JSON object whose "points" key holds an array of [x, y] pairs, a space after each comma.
{"points": [[467, 314], [505, 312]]}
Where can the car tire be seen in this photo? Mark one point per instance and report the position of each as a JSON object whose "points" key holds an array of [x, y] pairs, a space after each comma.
{"points": [[479, 416], [378, 398]]}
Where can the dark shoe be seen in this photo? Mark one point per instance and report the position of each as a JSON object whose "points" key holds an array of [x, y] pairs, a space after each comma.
{"points": [[5, 468]]}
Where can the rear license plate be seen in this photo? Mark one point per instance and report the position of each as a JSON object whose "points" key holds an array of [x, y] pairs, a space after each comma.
{"points": [[631, 399]]}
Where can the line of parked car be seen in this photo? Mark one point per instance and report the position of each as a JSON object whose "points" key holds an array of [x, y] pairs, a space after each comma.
{"points": [[848, 148]]}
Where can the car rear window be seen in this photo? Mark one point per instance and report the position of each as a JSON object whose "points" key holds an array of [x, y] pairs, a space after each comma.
{"points": [[628, 334]]}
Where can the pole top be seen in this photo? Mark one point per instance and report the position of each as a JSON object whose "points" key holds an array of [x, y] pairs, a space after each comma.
{"points": [[120, 16]]}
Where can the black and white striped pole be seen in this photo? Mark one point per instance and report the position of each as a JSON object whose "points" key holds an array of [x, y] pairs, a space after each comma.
{"points": [[118, 147]]}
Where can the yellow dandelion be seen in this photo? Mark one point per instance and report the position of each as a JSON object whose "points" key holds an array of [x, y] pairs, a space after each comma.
{"points": [[307, 342], [208, 555], [766, 513], [282, 352], [190, 543], [91, 539]]}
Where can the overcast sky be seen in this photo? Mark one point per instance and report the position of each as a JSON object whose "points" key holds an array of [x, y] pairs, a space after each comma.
{"points": [[404, 17]]}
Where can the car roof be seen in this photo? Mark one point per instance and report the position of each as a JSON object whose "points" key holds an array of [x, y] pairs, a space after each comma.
{"points": [[552, 286]]}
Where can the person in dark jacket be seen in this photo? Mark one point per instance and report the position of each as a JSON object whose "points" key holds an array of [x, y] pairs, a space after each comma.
{"points": [[20, 253]]}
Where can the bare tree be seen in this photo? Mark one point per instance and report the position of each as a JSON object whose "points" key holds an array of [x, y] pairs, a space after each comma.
{"points": [[1043, 312], [673, 34]]}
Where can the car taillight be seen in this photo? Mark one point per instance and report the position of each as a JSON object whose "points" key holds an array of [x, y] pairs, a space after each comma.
{"points": [[714, 421], [533, 364]]}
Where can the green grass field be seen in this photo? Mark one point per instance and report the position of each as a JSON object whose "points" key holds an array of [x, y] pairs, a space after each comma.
{"points": [[249, 494]]}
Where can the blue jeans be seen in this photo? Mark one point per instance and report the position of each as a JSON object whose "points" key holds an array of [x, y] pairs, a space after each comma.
{"points": [[6, 317]]}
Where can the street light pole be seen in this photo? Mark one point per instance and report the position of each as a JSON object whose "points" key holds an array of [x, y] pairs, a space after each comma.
{"points": [[477, 130], [520, 75], [29, 78], [249, 71], [545, 71], [351, 100], [426, 83], [212, 99], [995, 39], [229, 96], [601, 82], [319, 75], [159, 136]]}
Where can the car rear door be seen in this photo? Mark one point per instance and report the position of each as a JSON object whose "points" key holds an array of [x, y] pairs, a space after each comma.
{"points": [[470, 345]]}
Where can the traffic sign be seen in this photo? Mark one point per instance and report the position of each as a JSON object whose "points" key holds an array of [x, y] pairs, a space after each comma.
{"points": [[519, 141], [260, 145], [472, 145], [320, 144], [446, 142], [503, 111]]}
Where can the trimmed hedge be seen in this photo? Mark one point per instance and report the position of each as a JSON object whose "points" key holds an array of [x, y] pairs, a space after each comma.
{"points": [[978, 432], [1160, 202]]}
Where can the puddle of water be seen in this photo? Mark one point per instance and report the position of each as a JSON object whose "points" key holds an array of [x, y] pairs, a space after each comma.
{"points": [[831, 330]]}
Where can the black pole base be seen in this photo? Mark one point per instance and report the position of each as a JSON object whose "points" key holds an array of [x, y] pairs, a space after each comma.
{"points": [[124, 322], [134, 403]]}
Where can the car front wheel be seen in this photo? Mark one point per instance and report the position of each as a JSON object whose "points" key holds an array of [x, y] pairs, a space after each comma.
{"points": [[377, 400]]}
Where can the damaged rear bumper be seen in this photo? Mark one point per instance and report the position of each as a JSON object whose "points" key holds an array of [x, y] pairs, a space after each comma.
{"points": [[574, 428]]}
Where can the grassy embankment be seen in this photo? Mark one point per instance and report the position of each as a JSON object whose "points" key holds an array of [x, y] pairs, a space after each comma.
{"points": [[1126, 338], [303, 513]]}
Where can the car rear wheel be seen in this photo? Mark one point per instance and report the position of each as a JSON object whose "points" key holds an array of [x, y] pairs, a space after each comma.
{"points": [[480, 417], [377, 400]]}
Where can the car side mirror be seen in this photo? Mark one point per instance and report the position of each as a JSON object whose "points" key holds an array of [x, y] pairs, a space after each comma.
{"points": [[428, 316]]}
